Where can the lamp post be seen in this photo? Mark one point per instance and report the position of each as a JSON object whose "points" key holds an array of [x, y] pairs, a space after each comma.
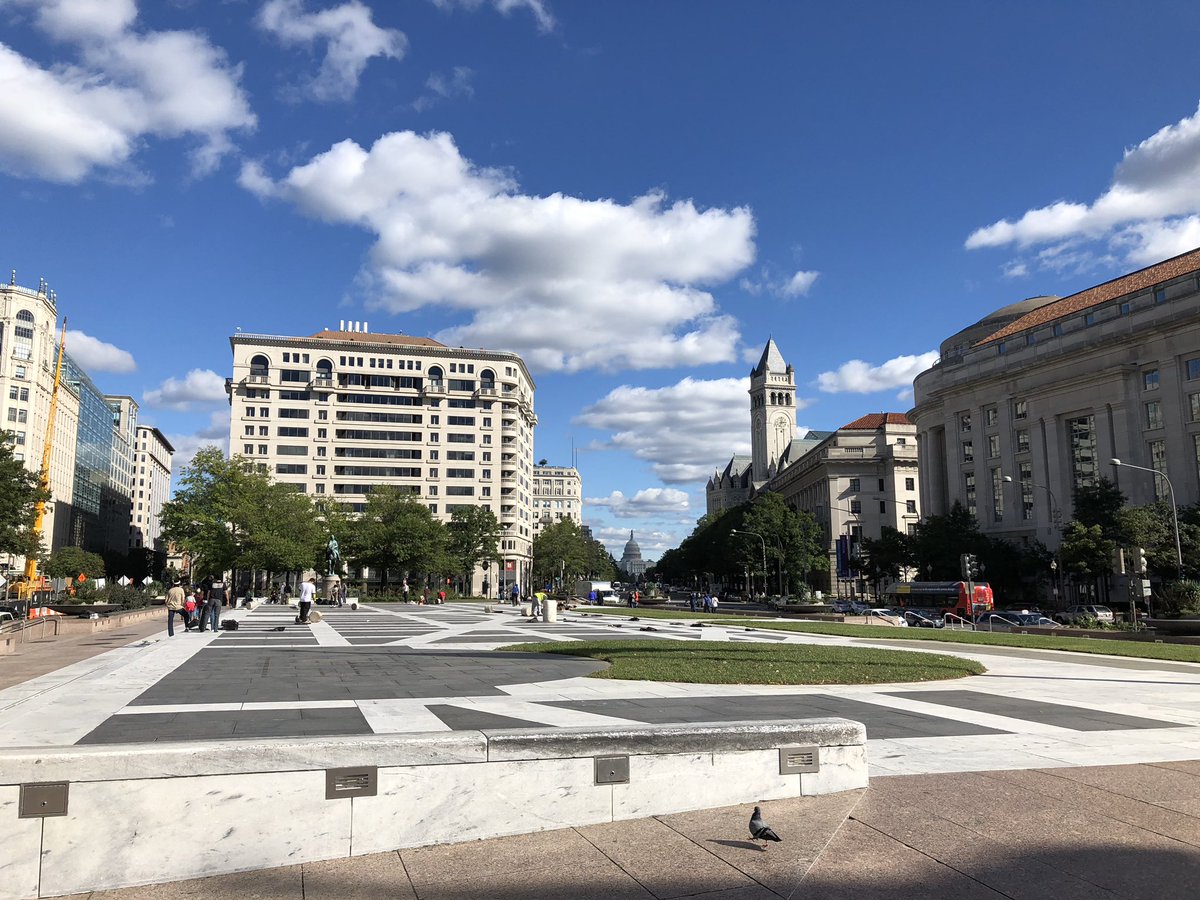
{"points": [[1055, 522], [764, 555], [1174, 509]]}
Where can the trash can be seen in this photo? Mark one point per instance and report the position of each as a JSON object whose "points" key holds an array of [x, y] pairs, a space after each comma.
{"points": [[549, 610]]}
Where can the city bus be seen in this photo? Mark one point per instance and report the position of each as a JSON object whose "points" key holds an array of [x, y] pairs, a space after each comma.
{"points": [[944, 596]]}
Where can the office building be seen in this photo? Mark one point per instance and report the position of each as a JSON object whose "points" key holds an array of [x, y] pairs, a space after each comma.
{"points": [[1037, 398], [557, 495], [337, 413], [154, 455]]}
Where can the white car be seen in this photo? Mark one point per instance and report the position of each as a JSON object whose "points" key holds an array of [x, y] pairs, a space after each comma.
{"points": [[888, 617]]}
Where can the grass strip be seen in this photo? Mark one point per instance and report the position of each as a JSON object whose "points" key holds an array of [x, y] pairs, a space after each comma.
{"points": [[1133, 649], [727, 662]]}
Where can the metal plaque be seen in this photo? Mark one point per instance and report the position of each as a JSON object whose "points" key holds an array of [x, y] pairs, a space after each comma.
{"points": [[49, 798], [796, 760], [612, 769], [353, 781]]}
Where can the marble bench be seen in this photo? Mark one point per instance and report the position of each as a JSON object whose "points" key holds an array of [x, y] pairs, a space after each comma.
{"points": [[94, 817]]}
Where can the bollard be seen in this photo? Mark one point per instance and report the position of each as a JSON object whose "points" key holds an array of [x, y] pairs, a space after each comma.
{"points": [[549, 610]]}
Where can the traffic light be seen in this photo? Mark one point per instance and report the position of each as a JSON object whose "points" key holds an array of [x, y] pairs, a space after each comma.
{"points": [[1140, 560], [970, 566]]}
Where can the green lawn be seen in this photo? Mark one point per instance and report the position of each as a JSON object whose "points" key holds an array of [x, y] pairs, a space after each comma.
{"points": [[1135, 649], [726, 662]]}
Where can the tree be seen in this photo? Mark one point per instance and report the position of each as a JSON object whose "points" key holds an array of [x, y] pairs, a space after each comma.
{"points": [[474, 538], [207, 515], [886, 558], [20, 491], [792, 539], [396, 533], [1085, 552], [71, 562], [939, 541], [1100, 504], [561, 549], [282, 532]]}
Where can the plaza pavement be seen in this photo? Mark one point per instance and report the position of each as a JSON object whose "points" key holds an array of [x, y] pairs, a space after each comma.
{"points": [[1052, 775]]}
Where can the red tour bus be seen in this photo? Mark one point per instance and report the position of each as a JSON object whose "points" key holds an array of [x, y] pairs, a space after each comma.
{"points": [[945, 597]]}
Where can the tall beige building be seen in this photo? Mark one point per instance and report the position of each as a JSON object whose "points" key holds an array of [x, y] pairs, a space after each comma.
{"points": [[153, 455], [338, 412], [557, 495], [28, 355], [1037, 398]]}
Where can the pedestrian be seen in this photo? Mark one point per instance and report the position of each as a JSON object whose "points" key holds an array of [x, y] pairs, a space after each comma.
{"points": [[716, 602], [175, 601], [274, 598], [308, 593], [425, 595], [214, 598], [189, 609], [637, 597], [516, 594], [335, 594], [692, 601], [537, 603], [707, 602], [287, 594], [592, 597], [404, 589], [441, 596]]}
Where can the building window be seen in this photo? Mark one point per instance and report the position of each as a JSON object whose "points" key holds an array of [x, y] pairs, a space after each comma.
{"points": [[968, 451], [1089, 319], [1025, 471], [969, 491], [1150, 380], [910, 484], [1125, 308], [910, 506], [1193, 369], [1160, 295], [964, 422], [1158, 462], [882, 485], [1022, 440], [993, 446], [854, 485], [1030, 339], [856, 506], [997, 495], [1081, 437], [1057, 329], [1020, 409], [882, 507], [1002, 348], [1194, 404], [990, 416], [1154, 414]]}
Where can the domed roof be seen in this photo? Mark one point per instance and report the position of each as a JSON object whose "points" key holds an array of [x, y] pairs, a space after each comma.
{"points": [[632, 550], [991, 323]]}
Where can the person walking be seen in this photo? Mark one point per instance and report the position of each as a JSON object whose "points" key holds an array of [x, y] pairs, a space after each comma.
{"points": [[175, 600], [308, 592], [214, 599], [516, 594]]}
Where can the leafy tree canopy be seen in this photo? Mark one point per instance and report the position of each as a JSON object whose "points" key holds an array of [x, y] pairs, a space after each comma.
{"points": [[20, 490]]}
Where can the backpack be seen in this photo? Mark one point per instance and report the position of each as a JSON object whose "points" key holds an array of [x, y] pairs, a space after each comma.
{"points": [[229, 624]]}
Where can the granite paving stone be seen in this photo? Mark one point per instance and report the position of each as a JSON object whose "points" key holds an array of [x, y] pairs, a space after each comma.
{"points": [[1061, 715]]}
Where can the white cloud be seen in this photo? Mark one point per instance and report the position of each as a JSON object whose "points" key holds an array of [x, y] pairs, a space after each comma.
{"points": [[199, 386], [796, 285], [858, 377], [94, 355], [1155, 184], [685, 431], [64, 121], [214, 433], [351, 40], [569, 283], [653, 544], [646, 502], [537, 8], [1015, 269], [445, 87]]}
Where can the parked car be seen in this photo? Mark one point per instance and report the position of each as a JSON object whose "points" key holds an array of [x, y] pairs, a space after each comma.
{"points": [[1037, 620], [859, 608], [6, 617], [888, 616], [923, 618], [842, 606], [1081, 613]]}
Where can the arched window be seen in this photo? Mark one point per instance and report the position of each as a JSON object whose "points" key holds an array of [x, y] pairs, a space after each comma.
{"points": [[259, 365], [324, 368], [487, 379], [23, 335], [435, 373], [25, 316]]}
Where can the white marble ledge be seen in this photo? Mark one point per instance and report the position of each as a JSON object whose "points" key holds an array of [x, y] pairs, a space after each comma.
{"points": [[653, 740], [120, 762]]}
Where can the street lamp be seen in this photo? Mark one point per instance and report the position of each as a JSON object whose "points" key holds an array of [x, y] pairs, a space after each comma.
{"points": [[764, 554], [1055, 522], [1174, 509]]}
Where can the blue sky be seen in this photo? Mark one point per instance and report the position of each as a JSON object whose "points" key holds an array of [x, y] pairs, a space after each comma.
{"points": [[633, 195]]}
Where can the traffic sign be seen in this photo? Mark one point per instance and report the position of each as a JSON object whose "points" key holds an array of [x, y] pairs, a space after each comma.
{"points": [[124, 581], [1145, 587]]}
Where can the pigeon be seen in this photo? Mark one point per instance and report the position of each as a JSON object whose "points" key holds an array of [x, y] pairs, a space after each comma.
{"points": [[760, 830]]}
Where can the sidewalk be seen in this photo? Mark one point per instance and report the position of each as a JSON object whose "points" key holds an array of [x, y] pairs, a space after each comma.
{"points": [[41, 655], [1059, 834]]}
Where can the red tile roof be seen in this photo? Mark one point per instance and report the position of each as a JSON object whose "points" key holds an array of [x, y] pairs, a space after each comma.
{"points": [[872, 421], [1101, 293], [366, 337]]}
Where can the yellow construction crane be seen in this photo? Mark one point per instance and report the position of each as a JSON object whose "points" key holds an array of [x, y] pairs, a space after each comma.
{"points": [[31, 576]]}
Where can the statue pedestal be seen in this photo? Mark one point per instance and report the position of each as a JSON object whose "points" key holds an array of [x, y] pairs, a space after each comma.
{"points": [[327, 584]]}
